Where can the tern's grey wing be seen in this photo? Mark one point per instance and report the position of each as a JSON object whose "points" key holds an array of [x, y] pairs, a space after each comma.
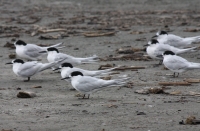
{"points": [[174, 39], [88, 84], [33, 50], [177, 63], [28, 69]]}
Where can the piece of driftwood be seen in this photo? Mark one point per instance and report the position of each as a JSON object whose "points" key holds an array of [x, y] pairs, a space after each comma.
{"points": [[192, 80], [180, 83], [9, 35], [128, 50], [50, 30], [26, 94], [97, 34]]}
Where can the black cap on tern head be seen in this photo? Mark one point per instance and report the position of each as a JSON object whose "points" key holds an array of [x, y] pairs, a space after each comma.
{"points": [[20, 42], [163, 32], [52, 49], [154, 41], [18, 61], [76, 73], [168, 53], [66, 65]]}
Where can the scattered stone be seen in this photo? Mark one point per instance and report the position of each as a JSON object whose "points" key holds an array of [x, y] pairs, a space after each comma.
{"points": [[37, 86], [12, 56], [26, 94], [191, 120]]}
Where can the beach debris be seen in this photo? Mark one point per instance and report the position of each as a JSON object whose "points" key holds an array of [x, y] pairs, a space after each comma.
{"points": [[175, 93], [136, 56], [194, 93], [12, 56], [9, 45], [28, 20], [6, 130], [191, 30], [26, 94], [112, 105], [37, 86], [137, 32], [128, 50], [140, 113], [106, 66], [9, 35], [178, 83], [191, 120], [192, 80], [50, 37], [99, 33], [151, 90], [106, 78]]}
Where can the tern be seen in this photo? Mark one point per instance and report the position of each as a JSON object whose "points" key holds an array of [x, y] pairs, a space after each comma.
{"points": [[174, 40], [28, 69], [55, 55], [31, 51], [156, 49], [89, 84], [178, 64]]}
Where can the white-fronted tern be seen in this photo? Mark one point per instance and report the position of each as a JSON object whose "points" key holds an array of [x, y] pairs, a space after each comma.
{"points": [[67, 69], [178, 64], [55, 55], [174, 40], [30, 51], [28, 69], [88, 84], [156, 49]]}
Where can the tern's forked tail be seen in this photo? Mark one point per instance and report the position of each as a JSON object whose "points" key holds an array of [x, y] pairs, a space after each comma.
{"points": [[194, 65]]}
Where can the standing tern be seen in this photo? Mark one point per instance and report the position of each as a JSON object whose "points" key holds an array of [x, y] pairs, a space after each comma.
{"points": [[28, 69], [156, 49], [88, 84], [55, 55], [30, 51], [176, 41], [67, 69], [178, 64]]}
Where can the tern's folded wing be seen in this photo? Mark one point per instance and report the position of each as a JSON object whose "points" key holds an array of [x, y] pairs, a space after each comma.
{"points": [[28, 68], [33, 50], [88, 84]]}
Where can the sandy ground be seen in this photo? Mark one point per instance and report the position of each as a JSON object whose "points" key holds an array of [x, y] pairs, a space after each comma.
{"points": [[114, 109]]}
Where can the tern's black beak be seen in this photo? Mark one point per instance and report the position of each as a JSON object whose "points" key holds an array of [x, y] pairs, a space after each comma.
{"points": [[65, 78], [43, 52], [146, 45], [56, 69], [9, 63], [154, 36]]}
